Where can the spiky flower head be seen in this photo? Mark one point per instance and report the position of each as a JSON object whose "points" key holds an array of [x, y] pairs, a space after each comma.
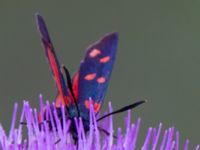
{"points": [[59, 137]]}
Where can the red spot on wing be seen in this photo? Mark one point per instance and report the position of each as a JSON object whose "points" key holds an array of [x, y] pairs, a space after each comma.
{"points": [[96, 105], [40, 118], [87, 104], [101, 79], [41, 114], [60, 100], [94, 53], [104, 59], [90, 76]]}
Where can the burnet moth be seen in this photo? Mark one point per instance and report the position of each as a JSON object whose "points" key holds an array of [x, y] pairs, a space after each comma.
{"points": [[89, 84]]}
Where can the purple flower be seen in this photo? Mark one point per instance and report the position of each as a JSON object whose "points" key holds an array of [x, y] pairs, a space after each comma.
{"points": [[59, 136]]}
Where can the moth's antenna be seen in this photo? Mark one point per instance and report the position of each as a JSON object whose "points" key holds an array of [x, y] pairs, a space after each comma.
{"points": [[57, 141], [69, 83], [123, 109], [106, 132]]}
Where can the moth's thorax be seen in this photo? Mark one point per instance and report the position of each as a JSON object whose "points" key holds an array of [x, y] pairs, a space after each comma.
{"points": [[73, 113], [73, 117], [70, 115]]}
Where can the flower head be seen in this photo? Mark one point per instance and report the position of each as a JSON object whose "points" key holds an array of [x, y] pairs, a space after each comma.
{"points": [[99, 137]]}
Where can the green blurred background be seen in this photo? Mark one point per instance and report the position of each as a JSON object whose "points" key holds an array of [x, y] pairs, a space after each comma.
{"points": [[158, 56]]}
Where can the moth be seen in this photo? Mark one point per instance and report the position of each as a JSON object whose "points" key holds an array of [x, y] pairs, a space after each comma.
{"points": [[90, 82]]}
